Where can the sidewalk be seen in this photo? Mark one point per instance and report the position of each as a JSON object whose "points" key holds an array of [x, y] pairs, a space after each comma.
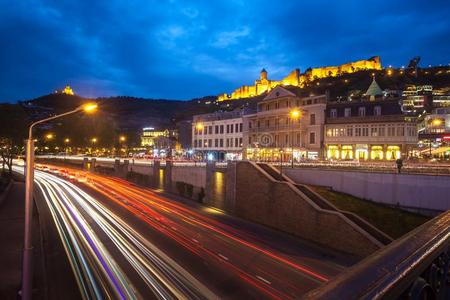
{"points": [[11, 239]]}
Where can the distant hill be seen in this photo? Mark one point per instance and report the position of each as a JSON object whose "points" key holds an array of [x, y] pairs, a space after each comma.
{"points": [[128, 115]]}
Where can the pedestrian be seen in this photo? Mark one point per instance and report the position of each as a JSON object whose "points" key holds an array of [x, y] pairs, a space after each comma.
{"points": [[399, 163]]}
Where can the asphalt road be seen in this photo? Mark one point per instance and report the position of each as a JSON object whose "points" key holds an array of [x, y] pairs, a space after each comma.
{"points": [[125, 241]]}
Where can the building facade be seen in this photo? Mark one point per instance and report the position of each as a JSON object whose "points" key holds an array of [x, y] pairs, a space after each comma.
{"points": [[368, 130], [434, 133], [218, 135], [285, 127]]}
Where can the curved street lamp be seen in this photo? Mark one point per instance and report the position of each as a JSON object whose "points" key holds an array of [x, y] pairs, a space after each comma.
{"points": [[27, 274]]}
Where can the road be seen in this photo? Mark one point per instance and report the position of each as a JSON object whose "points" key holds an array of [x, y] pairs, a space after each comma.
{"points": [[125, 241]]}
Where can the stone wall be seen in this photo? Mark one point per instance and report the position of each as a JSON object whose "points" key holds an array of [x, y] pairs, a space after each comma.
{"points": [[422, 193], [280, 205]]}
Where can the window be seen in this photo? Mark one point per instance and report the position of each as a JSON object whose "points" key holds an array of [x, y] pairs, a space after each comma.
{"points": [[240, 127], [333, 113], [210, 142], [240, 142], [250, 125], [210, 129], [348, 112], [400, 131], [298, 139], [206, 143], [217, 129], [358, 131], [221, 128], [236, 127], [231, 142], [228, 143], [349, 131], [231, 128], [312, 137], [221, 142], [374, 131], [228, 128], [236, 142], [381, 131], [312, 119], [267, 123], [195, 143], [200, 143], [377, 111], [365, 131], [362, 111], [391, 130], [216, 143], [206, 130]]}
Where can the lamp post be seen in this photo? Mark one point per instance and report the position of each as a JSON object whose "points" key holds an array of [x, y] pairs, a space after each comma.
{"points": [[27, 272], [294, 115], [122, 140]]}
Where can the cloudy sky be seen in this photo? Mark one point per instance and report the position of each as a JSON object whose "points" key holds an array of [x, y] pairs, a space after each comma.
{"points": [[184, 49]]}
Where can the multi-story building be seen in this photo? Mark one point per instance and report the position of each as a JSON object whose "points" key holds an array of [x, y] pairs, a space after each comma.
{"points": [[434, 133], [423, 98], [218, 135], [285, 127], [372, 128], [149, 136]]}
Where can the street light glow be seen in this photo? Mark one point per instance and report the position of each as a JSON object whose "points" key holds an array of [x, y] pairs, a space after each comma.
{"points": [[122, 138], [199, 126], [90, 107], [49, 136], [94, 140], [295, 114], [67, 140]]}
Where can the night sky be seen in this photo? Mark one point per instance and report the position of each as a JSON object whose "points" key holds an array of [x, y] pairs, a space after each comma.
{"points": [[186, 49]]}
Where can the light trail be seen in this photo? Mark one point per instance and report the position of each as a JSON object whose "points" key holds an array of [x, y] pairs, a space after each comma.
{"points": [[97, 273], [205, 237]]}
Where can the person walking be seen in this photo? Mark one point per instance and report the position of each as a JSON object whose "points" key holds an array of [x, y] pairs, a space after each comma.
{"points": [[399, 163]]}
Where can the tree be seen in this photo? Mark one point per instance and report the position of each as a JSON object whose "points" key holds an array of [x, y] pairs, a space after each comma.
{"points": [[13, 129]]}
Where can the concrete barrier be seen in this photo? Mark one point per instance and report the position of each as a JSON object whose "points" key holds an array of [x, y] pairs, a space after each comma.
{"points": [[280, 205], [428, 194]]}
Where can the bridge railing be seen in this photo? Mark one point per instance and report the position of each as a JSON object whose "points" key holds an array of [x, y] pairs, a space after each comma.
{"points": [[416, 266]]}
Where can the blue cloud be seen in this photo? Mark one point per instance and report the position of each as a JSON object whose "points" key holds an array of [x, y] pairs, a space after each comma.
{"points": [[179, 49]]}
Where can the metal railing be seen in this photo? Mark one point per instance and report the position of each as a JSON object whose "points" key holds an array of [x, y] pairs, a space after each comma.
{"points": [[416, 266]]}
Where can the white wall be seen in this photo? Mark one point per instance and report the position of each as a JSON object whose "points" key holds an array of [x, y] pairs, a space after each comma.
{"points": [[421, 192]]}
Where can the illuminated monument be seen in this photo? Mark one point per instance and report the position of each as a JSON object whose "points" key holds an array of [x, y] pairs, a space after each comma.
{"points": [[66, 90], [295, 78]]}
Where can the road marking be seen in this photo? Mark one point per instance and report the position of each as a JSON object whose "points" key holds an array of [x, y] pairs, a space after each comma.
{"points": [[263, 279], [223, 256]]}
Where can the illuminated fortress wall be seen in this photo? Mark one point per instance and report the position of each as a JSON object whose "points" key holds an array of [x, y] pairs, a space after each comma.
{"points": [[295, 78]]}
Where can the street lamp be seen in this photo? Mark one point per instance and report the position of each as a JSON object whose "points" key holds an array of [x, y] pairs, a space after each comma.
{"points": [[294, 115], [66, 142], [27, 273], [93, 141], [122, 140]]}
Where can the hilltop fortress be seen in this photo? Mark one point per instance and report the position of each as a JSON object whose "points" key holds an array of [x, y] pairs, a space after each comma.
{"points": [[295, 78]]}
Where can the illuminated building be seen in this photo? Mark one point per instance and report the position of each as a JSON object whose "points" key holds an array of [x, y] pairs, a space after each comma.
{"points": [[218, 135], [295, 78], [149, 136], [417, 99], [285, 126], [434, 133], [66, 90], [367, 129]]}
